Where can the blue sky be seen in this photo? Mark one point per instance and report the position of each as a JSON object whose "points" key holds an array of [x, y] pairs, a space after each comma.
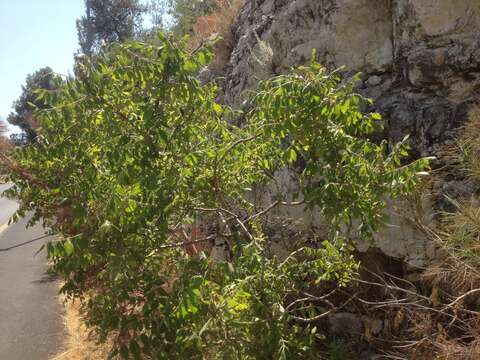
{"points": [[34, 34]]}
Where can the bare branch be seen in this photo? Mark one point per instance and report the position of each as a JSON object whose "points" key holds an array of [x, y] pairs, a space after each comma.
{"points": [[462, 297], [186, 243], [321, 316]]}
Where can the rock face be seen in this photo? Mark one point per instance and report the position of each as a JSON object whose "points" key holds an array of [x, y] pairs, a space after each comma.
{"points": [[420, 61], [420, 58]]}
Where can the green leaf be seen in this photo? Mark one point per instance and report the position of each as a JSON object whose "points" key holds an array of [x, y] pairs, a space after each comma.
{"points": [[201, 58], [135, 349], [68, 247], [124, 353], [292, 155], [218, 108]]}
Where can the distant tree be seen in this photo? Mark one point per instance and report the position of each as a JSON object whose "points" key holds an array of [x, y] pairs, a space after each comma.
{"points": [[22, 116], [157, 19], [158, 11], [186, 12], [108, 21]]}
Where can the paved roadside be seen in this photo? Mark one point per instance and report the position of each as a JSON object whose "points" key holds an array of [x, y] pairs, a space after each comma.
{"points": [[7, 207], [31, 324]]}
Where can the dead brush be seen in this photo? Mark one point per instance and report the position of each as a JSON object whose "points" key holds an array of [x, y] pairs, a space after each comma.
{"points": [[469, 144], [420, 320], [461, 233], [458, 232], [218, 24], [452, 276], [443, 349], [454, 280], [7, 163]]}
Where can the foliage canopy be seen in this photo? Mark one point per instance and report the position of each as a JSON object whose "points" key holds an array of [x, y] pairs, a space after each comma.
{"points": [[138, 165]]}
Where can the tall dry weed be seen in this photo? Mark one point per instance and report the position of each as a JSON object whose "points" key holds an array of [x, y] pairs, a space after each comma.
{"points": [[456, 277], [469, 145]]}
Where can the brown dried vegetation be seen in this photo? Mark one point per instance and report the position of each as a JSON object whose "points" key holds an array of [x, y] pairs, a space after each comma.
{"points": [[80, 344], [447, 326], [218, 24]]}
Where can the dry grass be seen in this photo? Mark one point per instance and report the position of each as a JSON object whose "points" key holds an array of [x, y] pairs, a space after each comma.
{"points": [[219, 23], [80, 344], [469, 144], [459, 231], [440, 309], [455, 279]]}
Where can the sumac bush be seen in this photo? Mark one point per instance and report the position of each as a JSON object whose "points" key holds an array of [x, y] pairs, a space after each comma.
{"points": [[136, 162]]}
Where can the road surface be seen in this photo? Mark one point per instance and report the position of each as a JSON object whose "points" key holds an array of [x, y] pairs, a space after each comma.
{"points": [[7, 207], [31, 324]]}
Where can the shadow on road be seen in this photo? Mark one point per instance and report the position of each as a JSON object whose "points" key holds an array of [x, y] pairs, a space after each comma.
{"points": [[47, 277], [24, 243]]}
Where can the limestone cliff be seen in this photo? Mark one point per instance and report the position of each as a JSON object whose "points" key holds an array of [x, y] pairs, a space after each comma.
{"points": [[420, 61]]}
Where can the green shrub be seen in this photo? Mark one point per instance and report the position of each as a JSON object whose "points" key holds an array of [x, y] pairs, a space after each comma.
{"points": [[135, 148]]}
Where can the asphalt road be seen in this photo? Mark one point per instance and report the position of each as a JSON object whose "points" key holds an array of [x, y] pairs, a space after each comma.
{"points": [[31, 324], [7, 207]]}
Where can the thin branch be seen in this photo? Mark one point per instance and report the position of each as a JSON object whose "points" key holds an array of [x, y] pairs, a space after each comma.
{"points": [[390, 287], [291, 256], [321, 316], [22, 173], [186, 243], [235, 144], [462, 297], [310, 298], [379, 304], [272, 206], [233, 215]]}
